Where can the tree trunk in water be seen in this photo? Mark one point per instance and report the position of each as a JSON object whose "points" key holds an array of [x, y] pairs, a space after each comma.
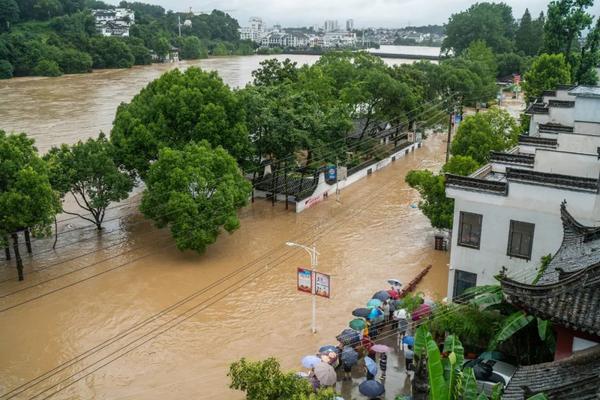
{"points": [[15, 238], [55, 232], [28, 240], [7, 250]]}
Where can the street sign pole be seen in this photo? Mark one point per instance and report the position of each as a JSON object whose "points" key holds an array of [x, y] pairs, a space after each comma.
{"points": [[314, 288]]}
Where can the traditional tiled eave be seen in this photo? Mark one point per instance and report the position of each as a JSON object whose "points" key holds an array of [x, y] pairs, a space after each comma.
{"points": [[561, 103], [511, 158], [573, 302], [554, 128], [567, 182], [538, 141], [537, 108], [549, 93], [476, 184]]}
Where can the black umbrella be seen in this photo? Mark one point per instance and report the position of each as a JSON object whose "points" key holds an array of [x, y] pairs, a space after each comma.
{"points": [[348, 337], [371, 388], [349, 356], [361, 312], [382, 295]]}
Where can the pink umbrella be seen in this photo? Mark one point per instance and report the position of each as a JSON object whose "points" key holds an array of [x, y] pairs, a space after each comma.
{"points": [[422, 311], [394, 294], [381, 348]]}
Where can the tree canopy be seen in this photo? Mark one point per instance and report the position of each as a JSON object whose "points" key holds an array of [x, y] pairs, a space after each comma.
{"points": [[529, 36], [546, 72], [175, 109], [196, 192], [88, 172]]}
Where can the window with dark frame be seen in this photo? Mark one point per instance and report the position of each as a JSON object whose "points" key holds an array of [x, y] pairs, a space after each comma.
{"points": [[520, 239], [463, 280], [469, 232]]}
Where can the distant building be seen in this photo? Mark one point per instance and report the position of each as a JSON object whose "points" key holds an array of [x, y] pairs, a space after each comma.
{"points": [[255, 31], [350, 24], [114, 22], [507, 214], [285, 40], [331, 25], [339, 39]]}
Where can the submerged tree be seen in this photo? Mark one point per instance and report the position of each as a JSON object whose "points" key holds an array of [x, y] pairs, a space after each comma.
{"points": [[196, 192], [88, 172], [27, 200]]}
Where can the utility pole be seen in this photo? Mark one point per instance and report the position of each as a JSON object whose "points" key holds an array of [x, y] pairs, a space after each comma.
{"points": [[450, 121], [337, 181], [179, 24], [312, 251]]}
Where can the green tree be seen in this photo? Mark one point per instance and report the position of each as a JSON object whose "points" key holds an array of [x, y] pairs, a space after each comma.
{"points": [[88, 172], [197, 192], [192, 48], [110, 52], [6, 70], [566, 21], [529, 36], [274, 72], [491, 22], [434, 204], [75, 62], [479, 134], [512, 63], [220, 50], [546, 72], [9, 13], [141, 54], [461, 165], [264, 380], [589, 58], [47, 68], [27, 200], [175, 109]]}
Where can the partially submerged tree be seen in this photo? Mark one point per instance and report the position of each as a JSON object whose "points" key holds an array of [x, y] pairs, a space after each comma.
{"points": [[196, 192], [27, 200], [88, 172]]}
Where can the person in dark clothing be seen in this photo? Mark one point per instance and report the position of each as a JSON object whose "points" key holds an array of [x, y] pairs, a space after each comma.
{"points": [[383, 364], [347, 372]]}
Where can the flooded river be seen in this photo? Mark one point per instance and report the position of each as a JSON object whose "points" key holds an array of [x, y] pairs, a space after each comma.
{"points": [[124, 315]]}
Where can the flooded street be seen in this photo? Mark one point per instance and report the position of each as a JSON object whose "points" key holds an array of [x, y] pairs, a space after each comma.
{"points": [[125, 315]]}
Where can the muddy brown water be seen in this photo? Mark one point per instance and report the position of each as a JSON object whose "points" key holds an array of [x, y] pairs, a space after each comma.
{"points": [[124, 315]]}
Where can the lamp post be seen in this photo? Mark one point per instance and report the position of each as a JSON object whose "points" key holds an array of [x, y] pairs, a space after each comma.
{"points": [[312, 251]]}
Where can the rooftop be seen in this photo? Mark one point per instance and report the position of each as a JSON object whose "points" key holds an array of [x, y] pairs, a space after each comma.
{"points": [[586, 91], [554, 128], [561, 104], [512, 158], [538, 141]]}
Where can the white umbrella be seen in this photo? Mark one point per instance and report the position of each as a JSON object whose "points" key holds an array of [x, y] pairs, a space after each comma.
{"points": [[395, 282], [325, 374]]}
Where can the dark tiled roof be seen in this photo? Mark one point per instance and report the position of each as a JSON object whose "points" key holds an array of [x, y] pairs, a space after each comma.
{"points": [[509, 158], [580, 248], [295, 186], [572, 302], [555, 128], [554, 180], [537, 141], [537, 108], [565, 87], [475, 184], [561, 103], [576, 377], [550, 93]]}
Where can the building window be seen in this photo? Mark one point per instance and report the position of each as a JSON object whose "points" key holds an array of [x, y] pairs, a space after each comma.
{"points": [[520, 239], [469, 232], [462, 281]]}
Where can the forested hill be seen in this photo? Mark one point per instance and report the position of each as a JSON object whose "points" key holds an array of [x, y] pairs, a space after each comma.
{"points": [[54, 37]]}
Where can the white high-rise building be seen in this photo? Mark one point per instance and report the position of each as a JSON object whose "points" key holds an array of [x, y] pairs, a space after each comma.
{"points": [[255, 31], [331, 25], [349, 24]]}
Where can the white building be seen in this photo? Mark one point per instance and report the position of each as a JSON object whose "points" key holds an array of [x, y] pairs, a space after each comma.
{"points": [[284, 40], [507, 214], [350, 24], [333, 39], [255, 31], [331, 25], [114, 22]]}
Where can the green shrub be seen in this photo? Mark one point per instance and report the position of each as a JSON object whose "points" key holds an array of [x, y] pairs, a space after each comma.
{"points": [[6, 70], [75, 62], [47, 68]]}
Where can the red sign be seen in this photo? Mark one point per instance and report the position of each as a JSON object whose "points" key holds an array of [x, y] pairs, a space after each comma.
{"points": [[304, 280], [517, 79], [322, 285]]}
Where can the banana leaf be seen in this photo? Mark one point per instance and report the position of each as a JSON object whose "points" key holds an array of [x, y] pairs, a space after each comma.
{"points": [[543, 328], [477, 290], [452, 364], [539, 396], [511, 325], [496, 392], [438, 388], [486, 300], [469, 385], [422, 336]]}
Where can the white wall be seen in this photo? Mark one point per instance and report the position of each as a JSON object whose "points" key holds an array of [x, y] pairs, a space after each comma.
{"points": [[537, 119], [559, 162], [586, 109], [589, 128], [562, 115], [535, 204], [578, 143], [560, 95]]}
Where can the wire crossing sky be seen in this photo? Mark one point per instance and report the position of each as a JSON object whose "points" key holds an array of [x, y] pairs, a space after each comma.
{"points": [[366, 13]]}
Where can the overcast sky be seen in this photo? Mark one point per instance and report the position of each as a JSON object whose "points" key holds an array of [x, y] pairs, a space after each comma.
{"points": [[373, 13]]}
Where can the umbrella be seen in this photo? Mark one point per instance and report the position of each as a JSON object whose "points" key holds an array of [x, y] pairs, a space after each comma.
{"points": [[348, 336], [375, 313], [395, 282], [357, 324], [371, 365], [371, 388], [382, 295], [381, 348], [361, 312], [310, 361], [349, 356], [422, 311], [328, 349], [374, 303], [408, 340], [325, 374]]}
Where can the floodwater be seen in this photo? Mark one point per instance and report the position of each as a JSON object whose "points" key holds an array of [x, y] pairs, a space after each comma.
{"points": [[124, 315]]}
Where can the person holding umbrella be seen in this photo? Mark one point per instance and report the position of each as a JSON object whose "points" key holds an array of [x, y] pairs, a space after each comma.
{"points": [[371, 389]]}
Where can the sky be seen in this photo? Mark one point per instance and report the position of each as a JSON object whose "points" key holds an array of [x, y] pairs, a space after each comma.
{"points": [[365, 13]]}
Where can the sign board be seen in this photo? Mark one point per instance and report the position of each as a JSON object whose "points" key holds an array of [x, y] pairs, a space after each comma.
{"points": [[331, 174], [322, 285], [517, 79], [304, 280], [457, 118]]}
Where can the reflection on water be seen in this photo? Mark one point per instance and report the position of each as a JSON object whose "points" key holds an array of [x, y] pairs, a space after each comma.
{"points": [[124, 315]]}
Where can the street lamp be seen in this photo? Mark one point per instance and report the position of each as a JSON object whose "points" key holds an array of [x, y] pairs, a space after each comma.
{"points": [[312, 251]]}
